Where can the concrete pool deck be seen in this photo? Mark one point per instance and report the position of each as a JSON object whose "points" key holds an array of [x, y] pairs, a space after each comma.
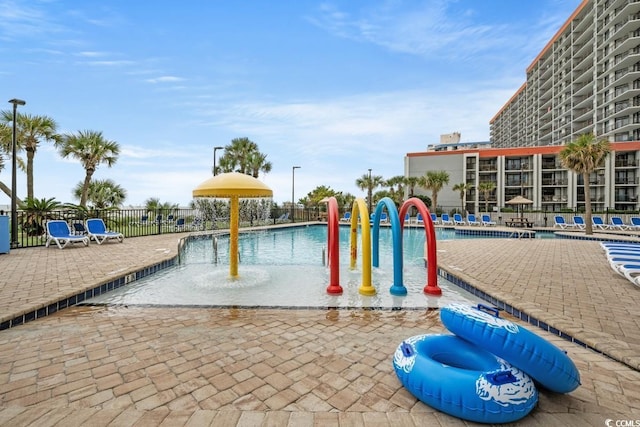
{"points": [[184, 366]]}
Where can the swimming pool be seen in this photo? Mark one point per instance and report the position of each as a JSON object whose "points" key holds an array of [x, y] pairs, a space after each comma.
{"points": [[285, 268]]}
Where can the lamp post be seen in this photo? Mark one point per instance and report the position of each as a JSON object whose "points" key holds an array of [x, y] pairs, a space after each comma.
{"points": [[369, 196], [14, 208], [214, 158], [293, 192]]}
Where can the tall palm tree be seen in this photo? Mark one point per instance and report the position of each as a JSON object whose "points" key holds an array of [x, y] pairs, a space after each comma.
{"points": [[583, 156], [102, 193], [396, 188], [30, 130], [369, 183], [434, 181], [243, 156], [257, 162], [411, 182], [92, 149], [462, 187], [486, 188]]}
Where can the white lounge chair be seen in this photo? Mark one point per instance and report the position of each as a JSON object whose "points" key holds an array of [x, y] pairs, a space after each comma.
{"points": [[97, 230], [618, 224], [457, 220], [58, 231], [446, 220], [486, 221], [471, 220], [560, 222], [599, 223]]}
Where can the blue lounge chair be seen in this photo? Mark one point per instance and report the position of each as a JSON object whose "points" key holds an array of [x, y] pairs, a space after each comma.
{"points": [[180, 224], [383, 217], [618, 224], [434, 219], [599, 223], [58, 232], [471, 220], [97, 231], [486, 220], [457, 220], [579, 222], [419, 219], [635, 223], [446, 220], [346, 217], [560, 222]]}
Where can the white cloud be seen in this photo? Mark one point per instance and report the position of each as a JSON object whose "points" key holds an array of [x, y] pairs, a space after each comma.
{"points": [[165, 79]]}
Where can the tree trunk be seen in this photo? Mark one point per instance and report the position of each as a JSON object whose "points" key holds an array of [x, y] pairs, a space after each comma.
{"points": [[30, 154], [587, 204], [85, 188], [6, 190]]}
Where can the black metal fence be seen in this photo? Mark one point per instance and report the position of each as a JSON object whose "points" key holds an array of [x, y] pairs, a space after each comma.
{"points": [[140, 222]]}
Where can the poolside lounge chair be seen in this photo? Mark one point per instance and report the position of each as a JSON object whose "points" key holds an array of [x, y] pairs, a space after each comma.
{"points": [[486, 220], [560, 222], [599, 223], [635, 223], [97, 231], [446, 220], [180, 224], [384, 217], [579, 222], [58, 232], [79, 229], [284, 217], [457, 220], [346, 217], [471, 220], [434, 219], [618, 224], [407, 219]]}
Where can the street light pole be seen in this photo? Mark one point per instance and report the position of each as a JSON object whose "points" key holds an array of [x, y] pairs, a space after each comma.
{"points": [[370, 191], [214, 158], [14, 208], [293, 192]]}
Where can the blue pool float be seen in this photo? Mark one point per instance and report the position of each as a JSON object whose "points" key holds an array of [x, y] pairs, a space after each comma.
{"points": [[463, 380], [544, 362]]}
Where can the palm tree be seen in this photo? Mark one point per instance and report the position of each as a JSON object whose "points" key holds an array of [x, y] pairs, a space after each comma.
{"points": [[30, 130], [92, 149], [396, 188], [36, 213], [463, 187], [6, 140], [583, 156], [102, 193], [243, 156], [412, 182], [369, 183], [486, 188], [434, 181]]}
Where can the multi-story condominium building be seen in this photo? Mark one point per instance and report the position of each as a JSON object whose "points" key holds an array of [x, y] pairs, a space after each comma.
{"points": [[585, 80]]}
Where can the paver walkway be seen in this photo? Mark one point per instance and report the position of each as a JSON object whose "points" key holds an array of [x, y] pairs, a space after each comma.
{"points": [[184, 366]]}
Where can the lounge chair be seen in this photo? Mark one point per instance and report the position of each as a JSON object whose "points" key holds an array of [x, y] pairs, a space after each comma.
{"points": [[58, 232], [384, 217], [97, 231], [618, 224], [79, 229], [471, 220], [486, 220], [346, 217], [196, 224], [599, 223], [635, 223], [560, 222], [180, 224], [407, 219], [579, 222], [283, 218], [446, 220], [457, 220], [434, 219]]}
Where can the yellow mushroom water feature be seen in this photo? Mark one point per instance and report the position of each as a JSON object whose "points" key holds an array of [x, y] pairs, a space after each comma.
{"points": [[233, 186]]}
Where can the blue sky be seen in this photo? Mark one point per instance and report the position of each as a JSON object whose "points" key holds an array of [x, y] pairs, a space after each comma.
{"points": [[335, 87]]}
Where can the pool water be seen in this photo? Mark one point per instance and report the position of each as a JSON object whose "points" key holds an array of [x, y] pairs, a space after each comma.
{"points": [[285, 268]]}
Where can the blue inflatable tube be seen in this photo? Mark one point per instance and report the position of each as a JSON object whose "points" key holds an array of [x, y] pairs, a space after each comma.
{"points": [[543, 361], [463, 380]]}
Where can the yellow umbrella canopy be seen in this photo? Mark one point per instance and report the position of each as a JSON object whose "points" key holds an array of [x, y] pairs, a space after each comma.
{"points": [[226, 185], [233, 185]]}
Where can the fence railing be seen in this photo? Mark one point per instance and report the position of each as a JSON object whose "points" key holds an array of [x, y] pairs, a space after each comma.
{"points": [[140, 222]]}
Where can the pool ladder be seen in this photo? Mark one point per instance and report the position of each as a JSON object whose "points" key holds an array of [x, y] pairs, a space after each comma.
{"points": [[214, 240]]}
